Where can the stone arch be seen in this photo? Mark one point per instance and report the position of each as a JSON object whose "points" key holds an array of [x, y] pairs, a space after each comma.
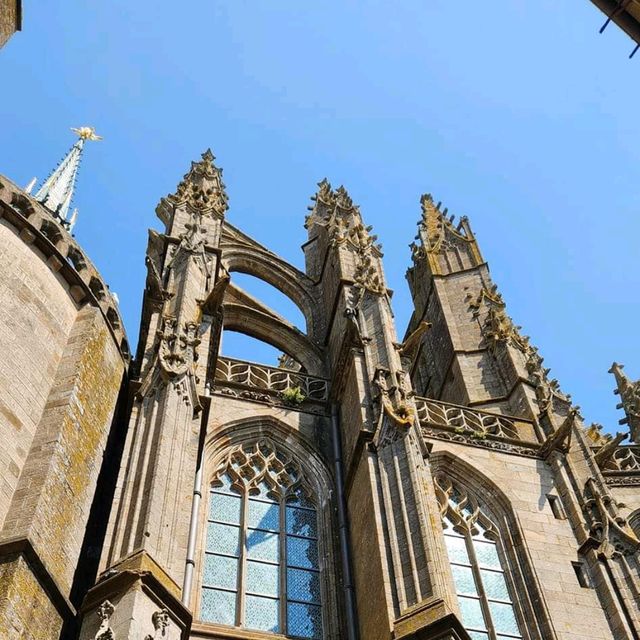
{"points": [[528, 597], [243, 255], [317, 476], [275, 332]]}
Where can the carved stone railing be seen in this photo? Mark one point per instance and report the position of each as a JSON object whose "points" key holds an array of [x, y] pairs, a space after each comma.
{"points": [[268, 384], [625, 458], [623, 467], [470, 426]]}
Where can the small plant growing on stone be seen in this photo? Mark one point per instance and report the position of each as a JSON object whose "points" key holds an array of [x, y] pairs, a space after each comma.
{"points": [[293, 395]]}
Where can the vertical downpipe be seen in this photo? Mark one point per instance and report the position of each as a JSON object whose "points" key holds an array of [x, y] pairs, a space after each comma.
{"points": [[352, 627], [195, 508]]}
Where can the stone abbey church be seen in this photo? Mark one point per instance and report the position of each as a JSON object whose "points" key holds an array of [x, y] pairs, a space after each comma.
{"points": [[433, 484]]}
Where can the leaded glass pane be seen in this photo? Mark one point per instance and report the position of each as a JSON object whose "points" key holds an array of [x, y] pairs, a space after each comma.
{"points": [[226, 485], [220, 571], [223, 538], [265, 492], [463, 579], [471, 613], [302, 522], [262, 614], [478, 635], [263, 515], [225, 508], [218, 606], [303, 585], [262, 578], [487, 554], [495, 585], [503, 618], [262, 545], [457, 549], [304, 620], [299, 500], [302, 552]]}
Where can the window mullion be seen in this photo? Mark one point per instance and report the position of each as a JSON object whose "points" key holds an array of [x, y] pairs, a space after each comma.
{"points": [[283, 566], [242, 569], [484, 601]]}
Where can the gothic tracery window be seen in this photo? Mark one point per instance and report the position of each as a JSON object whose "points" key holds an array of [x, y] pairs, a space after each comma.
{"points": [[473, 547], [260, 567]]}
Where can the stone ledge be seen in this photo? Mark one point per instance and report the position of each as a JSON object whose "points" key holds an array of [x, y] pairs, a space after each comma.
{"points": [[141, 562], [429, 620], [140, 571], [24, 546], [217, 632]]}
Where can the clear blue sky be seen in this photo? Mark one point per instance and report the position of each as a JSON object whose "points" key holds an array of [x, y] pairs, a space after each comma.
{"points": [[515, 113]]}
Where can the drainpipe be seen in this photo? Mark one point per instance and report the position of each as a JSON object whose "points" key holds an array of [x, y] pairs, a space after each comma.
{"points": [[195, 508], [352, 627]]}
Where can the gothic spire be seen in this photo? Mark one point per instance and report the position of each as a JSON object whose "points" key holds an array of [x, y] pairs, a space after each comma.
{"points": [[57, 191]]}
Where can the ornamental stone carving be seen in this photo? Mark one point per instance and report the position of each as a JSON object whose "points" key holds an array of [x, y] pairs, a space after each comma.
{"points": [[177, 347], [104, 632], [160, 621], [498, 327], [629, 393], [202, 187], [252, 465], [335, 211], [608, 531], [461, 508]]}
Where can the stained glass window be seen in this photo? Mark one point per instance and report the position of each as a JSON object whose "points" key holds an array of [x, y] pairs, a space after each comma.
{"points": [[478, 572], [260, 568]]}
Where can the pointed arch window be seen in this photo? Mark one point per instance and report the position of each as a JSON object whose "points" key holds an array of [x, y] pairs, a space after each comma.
{"points": [[477, 565], [261, 566]]}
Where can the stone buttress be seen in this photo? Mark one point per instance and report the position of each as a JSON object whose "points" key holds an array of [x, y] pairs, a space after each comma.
{"points": [[473, 356], [143, 561], [402, 582]]}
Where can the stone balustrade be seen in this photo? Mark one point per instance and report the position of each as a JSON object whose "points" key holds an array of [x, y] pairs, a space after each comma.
{"points": [[271, 382]]}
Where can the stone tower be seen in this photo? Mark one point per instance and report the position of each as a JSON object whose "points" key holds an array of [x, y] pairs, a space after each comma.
{"points": [[438, 487], [64, 360]]}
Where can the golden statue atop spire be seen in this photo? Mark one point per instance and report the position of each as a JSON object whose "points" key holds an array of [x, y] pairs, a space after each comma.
{"points": [[86, 133]]}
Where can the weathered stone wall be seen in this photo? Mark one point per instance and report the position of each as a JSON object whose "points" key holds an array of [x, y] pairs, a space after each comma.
{"points": [[369, 557], [36, 315], [60, 376], [549, 542], [26, 611], [51, 504]]}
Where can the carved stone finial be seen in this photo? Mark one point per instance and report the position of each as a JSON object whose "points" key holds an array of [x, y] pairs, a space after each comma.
{"points": [[629, 393], [104, 632], [202, 186], [335, 212]]}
